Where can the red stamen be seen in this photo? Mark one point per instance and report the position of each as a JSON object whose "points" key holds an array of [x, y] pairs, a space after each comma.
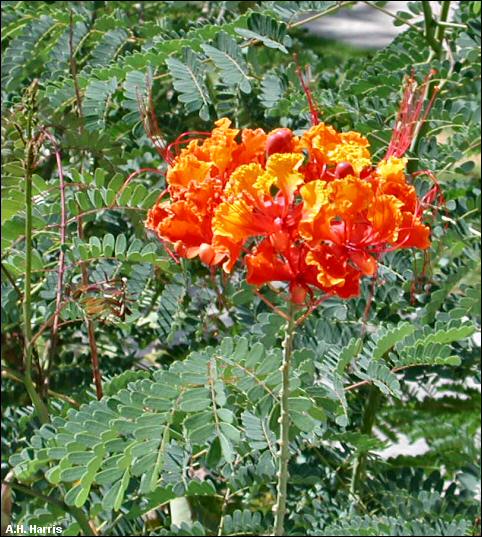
{"points": [[151, 126], [179, 140], [411, 114], [129, 179], [315, 120], [434, 197], [169, 251]]}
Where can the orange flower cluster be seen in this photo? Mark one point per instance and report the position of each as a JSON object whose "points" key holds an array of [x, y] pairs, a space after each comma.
{"points": [[309, 210]]}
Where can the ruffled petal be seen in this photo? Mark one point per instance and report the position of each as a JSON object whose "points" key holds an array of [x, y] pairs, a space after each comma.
{"points": [[264, 266], [412, 233], [242, 181], [187, 169], [334, 273], [385, 216], [282, 171], [392, 169]]}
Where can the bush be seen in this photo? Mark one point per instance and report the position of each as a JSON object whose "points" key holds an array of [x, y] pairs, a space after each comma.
{"points": [[142, 396]]}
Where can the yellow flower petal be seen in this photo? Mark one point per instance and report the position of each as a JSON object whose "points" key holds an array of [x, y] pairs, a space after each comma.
{"points": [[281, 170], [243, 180], [357, 155], [314, 195], [392, 169]]}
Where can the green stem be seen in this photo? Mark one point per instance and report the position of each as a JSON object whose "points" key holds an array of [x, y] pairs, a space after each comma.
{"points": [[77, 513], [82, 520], [39, 405], [393, 15], [368, 421], [444, 13], [284, 452], [430, 27], [16, 377]]}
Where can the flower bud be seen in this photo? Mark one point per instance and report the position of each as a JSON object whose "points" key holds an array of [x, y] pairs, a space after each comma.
{"points": [[280, 141], [366, 172], [343, 169], [206, 253], [298, 294]]}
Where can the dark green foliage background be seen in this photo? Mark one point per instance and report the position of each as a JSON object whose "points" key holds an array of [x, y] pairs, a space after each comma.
{"points": [[191, 376]]}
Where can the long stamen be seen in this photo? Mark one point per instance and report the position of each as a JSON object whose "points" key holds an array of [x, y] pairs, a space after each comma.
{"points": [[129, 179], [151, 126], [434, 197], [179, 140], [315, 120], [411, 114]]}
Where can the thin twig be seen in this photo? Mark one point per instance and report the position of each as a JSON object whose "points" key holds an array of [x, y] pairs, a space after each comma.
{"points": [[61, 268], [129, 179], [327, 11], [311, 309], [430, 28], [73, 69], [290, 26], [99, 209], [285, 421], [11, 279], [48, 322], [95, 359], [440, 31], [369, 382], [221, 13], [272, 306], [452, 25], [245, 370], [94, 355], [393, 15], [85, 524], [6, 500], [6, 373], [227, 495], [41, 408], [368, 420]]}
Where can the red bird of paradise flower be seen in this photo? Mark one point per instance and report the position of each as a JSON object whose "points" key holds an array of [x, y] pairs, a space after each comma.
{"points": [[313, 210]]}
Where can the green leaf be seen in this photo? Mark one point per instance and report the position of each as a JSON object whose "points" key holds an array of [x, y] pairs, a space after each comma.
{"points": [[189, 82], [390, 338], [120, 245], [228, 58], [226, 448], [267, 30], [108, 244], [96, 102]]}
